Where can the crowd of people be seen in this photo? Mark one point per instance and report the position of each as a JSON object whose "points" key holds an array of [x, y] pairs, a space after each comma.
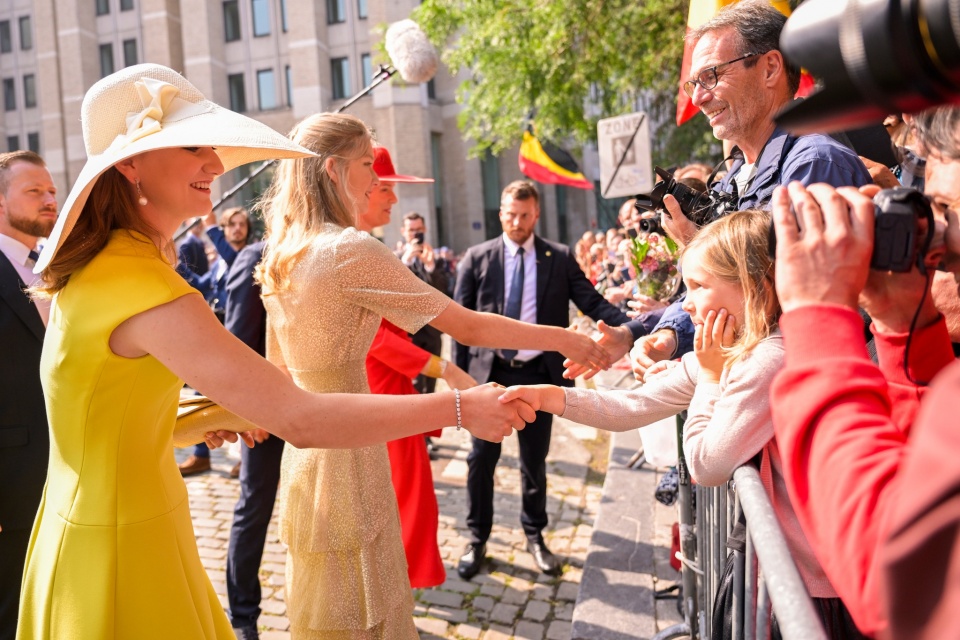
{"points": [[835, 379]]}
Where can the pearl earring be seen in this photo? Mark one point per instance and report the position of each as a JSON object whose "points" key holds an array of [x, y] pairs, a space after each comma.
{"points": [[141, 200]]}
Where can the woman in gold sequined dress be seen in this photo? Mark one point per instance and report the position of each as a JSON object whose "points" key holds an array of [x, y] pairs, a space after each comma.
{"points": [[326, 286]]}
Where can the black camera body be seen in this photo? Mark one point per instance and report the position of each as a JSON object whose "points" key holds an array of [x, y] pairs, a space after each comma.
{"points": [[901, 214], [418, 237], [903, 229], [700, 207]]}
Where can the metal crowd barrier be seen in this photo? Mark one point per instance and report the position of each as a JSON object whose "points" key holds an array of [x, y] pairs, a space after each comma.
{"points": [[765, 578]]}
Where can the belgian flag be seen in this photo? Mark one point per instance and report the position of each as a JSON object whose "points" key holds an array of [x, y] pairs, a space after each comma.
{"points": [[549, 164]]}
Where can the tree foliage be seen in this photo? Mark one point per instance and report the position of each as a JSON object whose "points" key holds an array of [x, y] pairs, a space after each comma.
{"points": [[565, 64]]}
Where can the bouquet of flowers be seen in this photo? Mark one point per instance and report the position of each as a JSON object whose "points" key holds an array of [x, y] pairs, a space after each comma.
{"points": [[654, 258]]}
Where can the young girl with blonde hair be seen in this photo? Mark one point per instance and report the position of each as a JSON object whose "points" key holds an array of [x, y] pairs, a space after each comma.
{"points": [[724, 383]]}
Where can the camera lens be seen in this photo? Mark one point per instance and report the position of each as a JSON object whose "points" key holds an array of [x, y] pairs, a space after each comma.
{"points": [[651, 225]]}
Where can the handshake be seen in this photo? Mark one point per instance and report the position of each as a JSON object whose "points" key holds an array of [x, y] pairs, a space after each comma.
{"points": [[491, 411]]}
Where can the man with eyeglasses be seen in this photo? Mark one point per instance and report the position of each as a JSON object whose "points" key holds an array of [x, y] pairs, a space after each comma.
{"points": [[740, 81]]}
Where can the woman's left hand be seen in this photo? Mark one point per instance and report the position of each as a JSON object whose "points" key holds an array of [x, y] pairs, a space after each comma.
{"points": [[216, 439], [717, 331]]}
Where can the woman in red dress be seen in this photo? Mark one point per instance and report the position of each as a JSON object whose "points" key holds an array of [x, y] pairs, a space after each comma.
{"points": [[392, 363]]}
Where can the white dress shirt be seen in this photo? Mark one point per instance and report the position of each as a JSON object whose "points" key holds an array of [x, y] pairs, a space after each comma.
{"points": [[528, 305], [18, 254]]}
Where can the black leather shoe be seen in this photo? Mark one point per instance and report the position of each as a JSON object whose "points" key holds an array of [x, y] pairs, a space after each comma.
{"points": [[471, 560], [547, 562], [247, 633]]}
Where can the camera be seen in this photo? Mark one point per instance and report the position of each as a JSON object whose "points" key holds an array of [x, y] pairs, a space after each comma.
{"points": [[872, 58], [700, 207], [652, 225], [647, 225], [903, 229], [418, 237]]}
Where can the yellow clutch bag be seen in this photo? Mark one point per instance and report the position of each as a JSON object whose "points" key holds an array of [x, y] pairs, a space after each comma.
{"points": [[198, 415]]}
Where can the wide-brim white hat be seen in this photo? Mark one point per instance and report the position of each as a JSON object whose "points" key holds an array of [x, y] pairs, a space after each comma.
{"points": [[147, 107]]}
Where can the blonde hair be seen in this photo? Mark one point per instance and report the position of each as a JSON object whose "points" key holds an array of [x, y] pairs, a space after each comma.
{"points": [[303, 196], [111, 205], [735, 249]]}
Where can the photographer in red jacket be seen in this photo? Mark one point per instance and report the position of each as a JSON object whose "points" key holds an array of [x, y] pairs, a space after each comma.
{"points": [[876, 483]]}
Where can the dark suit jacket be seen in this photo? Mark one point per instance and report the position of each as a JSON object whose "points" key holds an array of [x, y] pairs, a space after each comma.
{"points": [[24, 439], [245, 316], [480, 285], [193, 255]]}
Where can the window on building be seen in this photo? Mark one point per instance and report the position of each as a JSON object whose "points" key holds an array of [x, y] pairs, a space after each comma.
{"points": [[29, 91], [126, 5], [238, 94], [106, 60], [340, 73], [288, 77], [13, 143], [33, 142], [103, 7], [26, 34], [129, 52], [366, 69], [9, 94], [261, 17], [283, 15], [361, 9], [6, 41], [231, 20], [436, 161], [431, 89], [490, 180], [336, 11], [266, 89]]}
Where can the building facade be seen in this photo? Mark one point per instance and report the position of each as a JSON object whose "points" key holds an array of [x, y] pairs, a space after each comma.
{"points": [[277, 61]]}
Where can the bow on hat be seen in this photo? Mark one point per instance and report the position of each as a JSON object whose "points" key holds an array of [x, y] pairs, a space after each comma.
{"points": [[160, 102]]}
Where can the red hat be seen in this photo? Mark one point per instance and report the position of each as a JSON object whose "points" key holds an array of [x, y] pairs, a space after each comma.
{"points": [[383, 166]]}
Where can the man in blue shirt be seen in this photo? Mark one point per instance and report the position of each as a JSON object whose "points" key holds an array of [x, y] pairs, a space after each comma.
{"points": [[740, 81]]}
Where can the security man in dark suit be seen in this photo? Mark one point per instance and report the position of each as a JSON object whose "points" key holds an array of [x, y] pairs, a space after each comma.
{"points": [[524, 277], [28, 211], [246, 318]]}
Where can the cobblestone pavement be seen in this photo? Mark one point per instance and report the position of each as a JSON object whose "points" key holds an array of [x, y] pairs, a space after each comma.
{"points": [[509, 598]]}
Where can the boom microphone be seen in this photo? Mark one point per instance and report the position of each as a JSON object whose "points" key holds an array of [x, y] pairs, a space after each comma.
{"points": [[411, 52], [413, 57]]}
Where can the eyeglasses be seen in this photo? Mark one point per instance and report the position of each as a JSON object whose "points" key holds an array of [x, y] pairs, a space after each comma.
{"points": [[709, 78]]}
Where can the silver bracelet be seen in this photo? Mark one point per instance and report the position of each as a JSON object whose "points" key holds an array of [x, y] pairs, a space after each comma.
{"points": [[456, 393]]}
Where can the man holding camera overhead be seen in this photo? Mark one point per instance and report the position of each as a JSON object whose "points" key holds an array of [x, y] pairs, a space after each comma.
{"points": [[419, 257], [740, 81]]}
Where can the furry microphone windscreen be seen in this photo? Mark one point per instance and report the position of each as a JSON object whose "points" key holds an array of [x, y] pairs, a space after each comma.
{"points": [[411, 52]]}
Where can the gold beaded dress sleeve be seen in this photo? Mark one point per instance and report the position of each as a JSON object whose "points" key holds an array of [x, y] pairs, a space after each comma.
{"points": [[346, 570]]}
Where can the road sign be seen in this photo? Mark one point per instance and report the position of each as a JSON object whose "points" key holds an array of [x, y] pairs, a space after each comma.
{"points": [[624, 141]]}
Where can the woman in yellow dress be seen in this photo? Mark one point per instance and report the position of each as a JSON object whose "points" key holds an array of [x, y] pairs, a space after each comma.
{"points": [[326, 286], [112, 552]]}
